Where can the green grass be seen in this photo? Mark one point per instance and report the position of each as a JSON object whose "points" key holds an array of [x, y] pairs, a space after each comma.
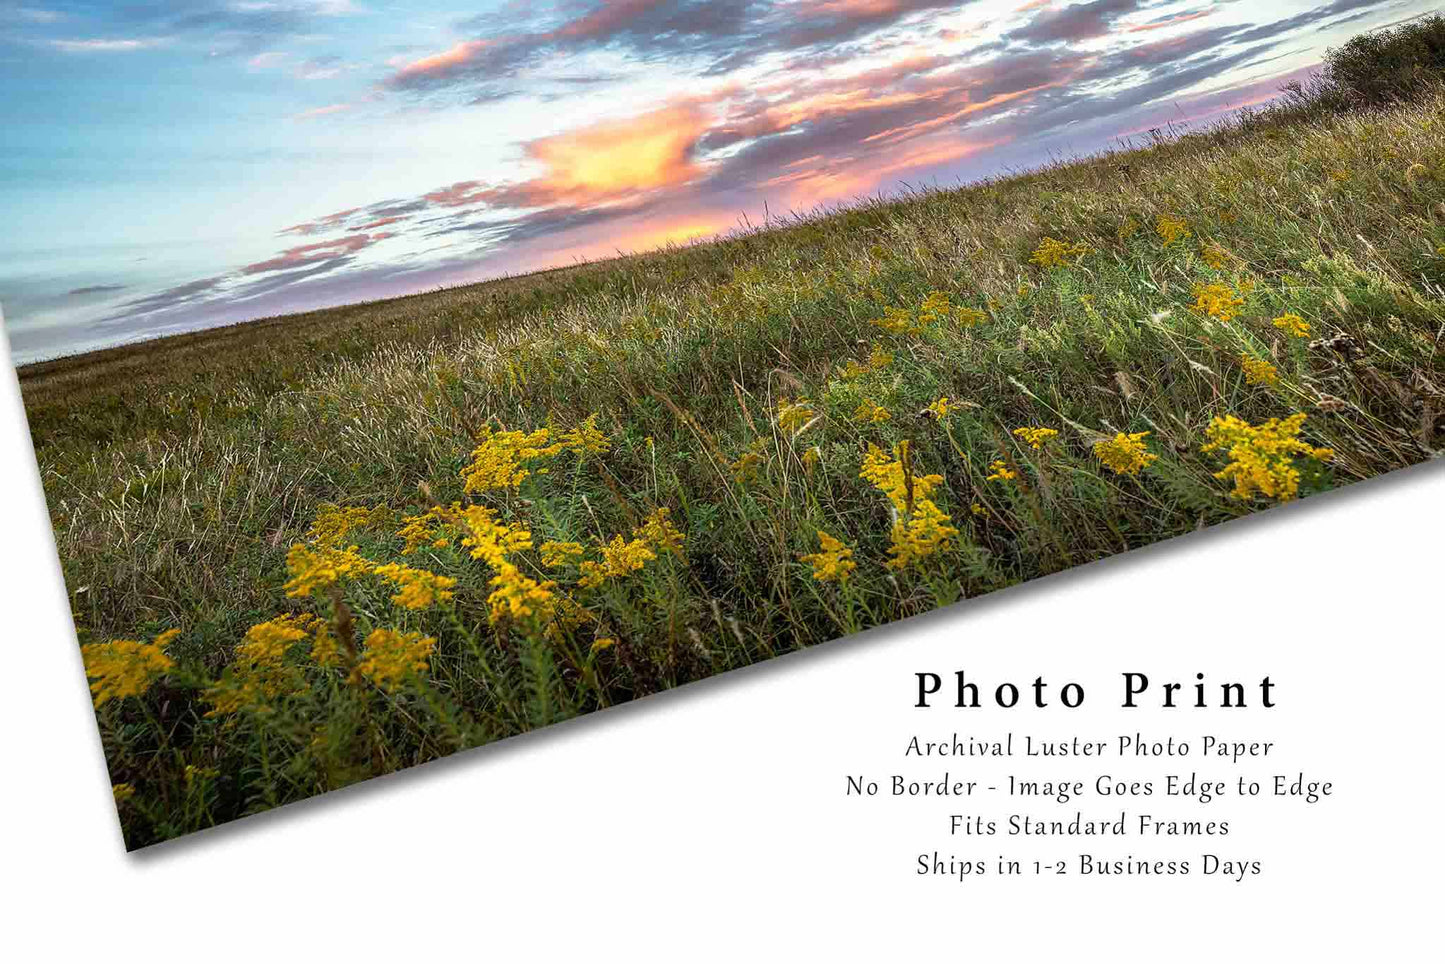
{"points": [[180, 472]]}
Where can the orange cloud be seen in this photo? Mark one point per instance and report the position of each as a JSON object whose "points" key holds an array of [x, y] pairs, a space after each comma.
{"points": [[609, 158], [458, 55]]}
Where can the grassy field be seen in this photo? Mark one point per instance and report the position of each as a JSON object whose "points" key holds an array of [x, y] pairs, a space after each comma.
{"points": [[348, 542]]}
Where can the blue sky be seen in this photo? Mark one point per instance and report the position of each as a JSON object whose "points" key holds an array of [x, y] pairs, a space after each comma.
{"points": [[169, 165]]}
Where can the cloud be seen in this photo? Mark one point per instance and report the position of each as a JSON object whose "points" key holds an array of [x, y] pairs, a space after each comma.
{"points": [[309, 254], [95, 290], [108, 46], [317, 112]]}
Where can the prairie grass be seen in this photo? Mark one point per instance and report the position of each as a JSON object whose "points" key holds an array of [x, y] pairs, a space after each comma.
{"points": [[621, 477]]}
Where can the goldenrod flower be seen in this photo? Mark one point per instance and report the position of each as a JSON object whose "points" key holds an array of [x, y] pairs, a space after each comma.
{"points": [[878, 359], [920, 527], [1293, 325], [419, 587], [1125, 454], [747, 465], [978, 510], [926, 532], [834, 563], [871, 412], [122, 792], [792, 416], [606, 642], [259, 674], [900, 321], [968, 317], [428, 528], [658, 531], [1035, 437], [1218, 301], [500, 460], [940, 408], [586, 438], [389, 657], [1171, 229], [1053, 253], [518, 596], [1262, 456], [1215, 256], [558, 554], [1258, 371], [1000, 472], [334, 523], [126, 667], [320, 567], [490, 540]]}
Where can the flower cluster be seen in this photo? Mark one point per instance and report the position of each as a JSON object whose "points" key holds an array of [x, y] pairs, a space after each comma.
{"points": [[1293, 325], [834, 563], [793, 415], [418, 588], [1125, 454], [1053, 253], [1035, 437], [1258, 371], [871, 412], [1218, 301], [126, 667], [920, 528], [1171, 229], [502, 459], [620, 557], [259, 673], [878, 359], [1261, 457], [388, 658]]}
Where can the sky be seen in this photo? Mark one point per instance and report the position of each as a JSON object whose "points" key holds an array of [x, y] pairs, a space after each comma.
{"points": [[167, 166]]}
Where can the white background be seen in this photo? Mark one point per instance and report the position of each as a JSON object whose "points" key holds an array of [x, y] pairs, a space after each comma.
{"points": [[712, 821]]}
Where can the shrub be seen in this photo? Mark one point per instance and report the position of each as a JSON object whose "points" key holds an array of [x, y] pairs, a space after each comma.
{"points": [[1391, 64]]}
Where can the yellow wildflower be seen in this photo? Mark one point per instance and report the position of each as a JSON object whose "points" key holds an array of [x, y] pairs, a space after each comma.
{"points": [[321, 567], [940, 408], [792, 416], [259, 675], [500, 461], [1262, 456], [871, 412], [1125, 454], [389, 657], [1215, 256], [878, 359], [518, 596], [811, 459], [978, 510], [658, 531], [428, 528], [1258, 371], [920, 527], [557, 554], [889, 476], [125, 667], [834, 563], [1053, 253], [747, 466], [1217, 301], [1128, 229], [1035, 437], [122, 792], [1293, 325], [1171, 229], [325, 650], [586, 438], [935, 308], [606, 642], [419, 587], [899, 321], [334, 523], [926, 532], [1000, 472], [490, 540]]}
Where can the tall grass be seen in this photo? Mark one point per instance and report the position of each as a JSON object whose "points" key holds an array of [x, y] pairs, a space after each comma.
{"points": [[1154, 308]]}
